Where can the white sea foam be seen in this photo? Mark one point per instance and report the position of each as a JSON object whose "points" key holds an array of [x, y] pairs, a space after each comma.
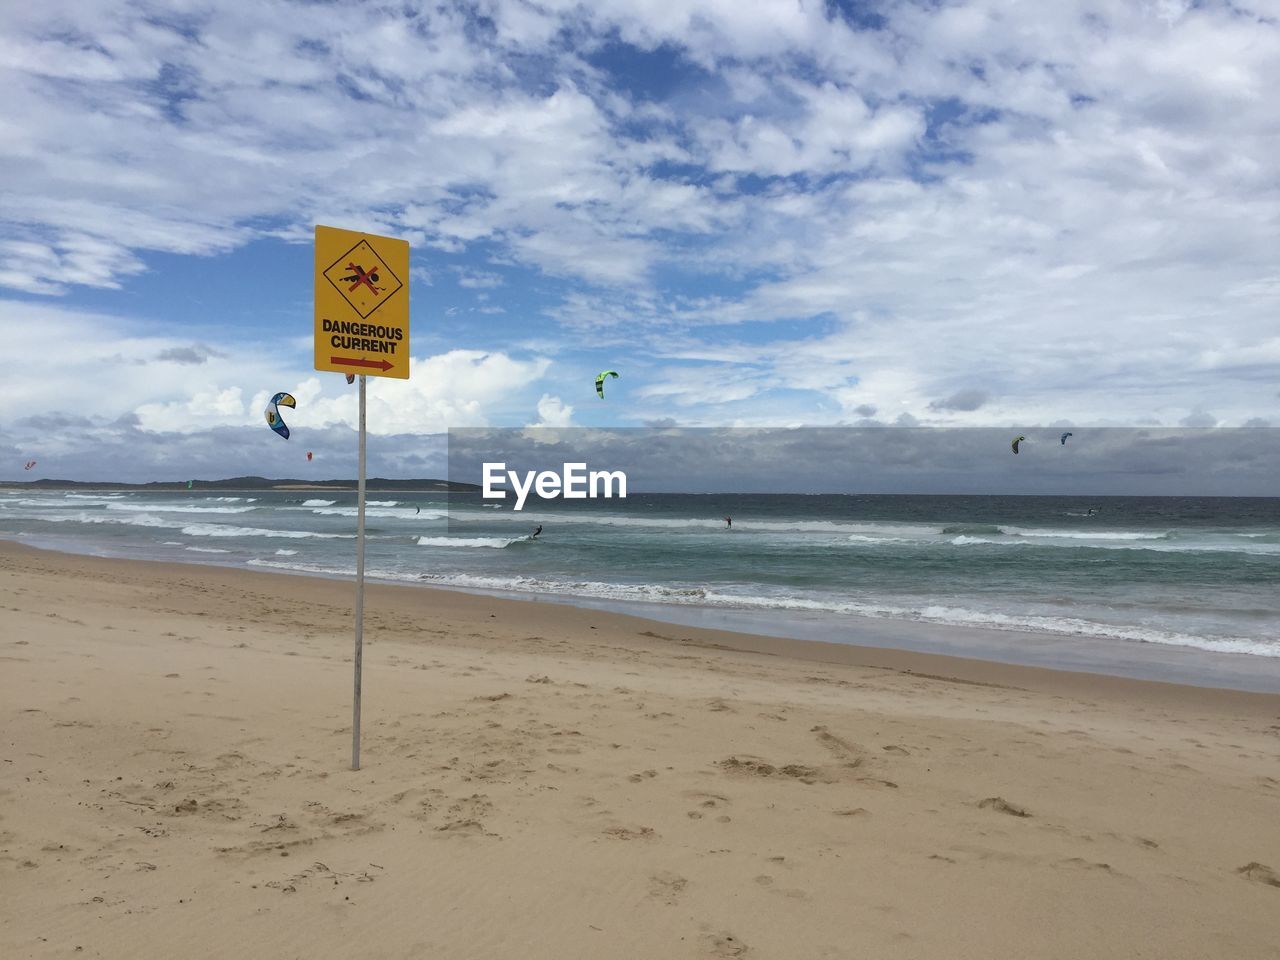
{"points": [[207, 550], [286, 553], [855, 531], [1156, 546], [42, 502], [402, 513], [194, 529], [322, 570], [1050, 533], [218, 530], [964, 541], [318, 503], [175, 508], [129, 520], [496, 542]]}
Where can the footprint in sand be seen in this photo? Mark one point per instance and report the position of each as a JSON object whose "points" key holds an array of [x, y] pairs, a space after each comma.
{"points": [[1001, 805], [1259, 872], [463, 828], [838, 745], [1080, 862], [725, 945], [707, 801], [471, 808], [667, 887], [753, 766]]}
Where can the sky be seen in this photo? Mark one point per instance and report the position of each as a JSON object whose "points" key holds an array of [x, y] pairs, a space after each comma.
{"points": [[761, 214]]}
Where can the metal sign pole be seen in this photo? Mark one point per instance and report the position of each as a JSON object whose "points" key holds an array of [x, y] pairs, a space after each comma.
{"points": [[355, 710], [356, 275]]}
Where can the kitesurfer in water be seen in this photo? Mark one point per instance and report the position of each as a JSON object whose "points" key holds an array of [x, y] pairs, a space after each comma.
{"points": [[536, 532], [728, 523]]}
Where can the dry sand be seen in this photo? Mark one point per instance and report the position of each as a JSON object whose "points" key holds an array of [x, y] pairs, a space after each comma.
{"points": [[542, 781]]}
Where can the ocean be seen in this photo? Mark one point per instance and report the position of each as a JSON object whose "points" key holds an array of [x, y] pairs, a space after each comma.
{"points": [[1180, 588]]}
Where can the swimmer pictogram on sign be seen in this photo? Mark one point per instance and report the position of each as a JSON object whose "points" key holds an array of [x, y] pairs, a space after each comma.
{"points": [[363, 279]]}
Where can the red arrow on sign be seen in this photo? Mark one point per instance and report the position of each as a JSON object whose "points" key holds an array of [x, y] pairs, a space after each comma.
{"points": [[353, 362]]}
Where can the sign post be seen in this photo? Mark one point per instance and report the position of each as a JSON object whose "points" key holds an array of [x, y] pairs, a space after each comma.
{"points": [[359, 655], [361, 327]]}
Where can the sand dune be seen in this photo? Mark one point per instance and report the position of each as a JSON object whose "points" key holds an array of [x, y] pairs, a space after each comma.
{"points": [[546, 782]]}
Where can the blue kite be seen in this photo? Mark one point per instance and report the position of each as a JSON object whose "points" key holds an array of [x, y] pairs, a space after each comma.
{"points": [[274, 420]]}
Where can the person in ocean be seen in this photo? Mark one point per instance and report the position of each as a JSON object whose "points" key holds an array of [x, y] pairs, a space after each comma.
{"points": [[728, 523], [536, 532]]}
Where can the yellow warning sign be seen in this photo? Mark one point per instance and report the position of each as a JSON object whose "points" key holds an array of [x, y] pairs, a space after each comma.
{"points": [[361, 303]]}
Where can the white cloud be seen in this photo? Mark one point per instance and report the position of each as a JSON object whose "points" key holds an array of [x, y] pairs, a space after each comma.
{"points": [[702, 386], [460, 388], [206, 408], [96, 363], [553, 412], [99, 366], [1071, 207], [479, 280]]}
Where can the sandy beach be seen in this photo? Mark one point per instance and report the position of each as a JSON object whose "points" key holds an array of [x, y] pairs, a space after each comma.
{"points": [[542, 781]]}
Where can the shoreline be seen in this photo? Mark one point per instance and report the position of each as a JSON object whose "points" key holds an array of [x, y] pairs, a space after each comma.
{"points": [[1069, 653], [1093, 656], [424, 598]]}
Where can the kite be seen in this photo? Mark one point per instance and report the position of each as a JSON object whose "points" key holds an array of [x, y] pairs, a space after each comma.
{"points": [[600, 381], [308, 456], [1016, 441], [351, 378], [273, 413], [28, 465], [1063, 438]]}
